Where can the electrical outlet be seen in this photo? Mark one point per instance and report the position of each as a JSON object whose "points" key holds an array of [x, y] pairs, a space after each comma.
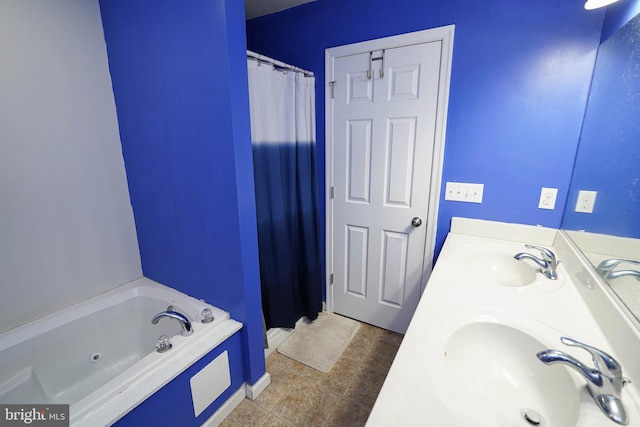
{"points": [[464, 192], [548, 198], [586, 201]]}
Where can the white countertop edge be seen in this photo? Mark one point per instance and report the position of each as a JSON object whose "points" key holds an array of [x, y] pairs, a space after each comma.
{"points": [[531, 234]]}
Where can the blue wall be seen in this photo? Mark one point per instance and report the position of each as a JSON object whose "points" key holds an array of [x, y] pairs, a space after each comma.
{"points": [[521, 75], [608, 160], [180, 83], [520, 81], [617, 15]]}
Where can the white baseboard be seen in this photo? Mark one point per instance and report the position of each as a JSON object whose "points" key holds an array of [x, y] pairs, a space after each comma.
{"points": [[226, 408], [247, 390], [275, 337], [254, 390]]}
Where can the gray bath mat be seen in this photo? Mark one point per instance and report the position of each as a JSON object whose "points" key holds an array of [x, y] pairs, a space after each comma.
{"points": [[319, 344]]}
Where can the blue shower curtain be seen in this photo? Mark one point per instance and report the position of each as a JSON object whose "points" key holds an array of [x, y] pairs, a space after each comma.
{"points": [[283, 140]]}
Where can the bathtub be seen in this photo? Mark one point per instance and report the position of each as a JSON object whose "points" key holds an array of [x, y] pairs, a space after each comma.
{"points": [[99, 356]]}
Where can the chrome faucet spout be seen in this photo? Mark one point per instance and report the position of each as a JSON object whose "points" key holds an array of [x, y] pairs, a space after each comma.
{"points": [[187, 328], [622, 273], [604, 382], [548, 263], [525, 255], [605, 268], [550, 357]]}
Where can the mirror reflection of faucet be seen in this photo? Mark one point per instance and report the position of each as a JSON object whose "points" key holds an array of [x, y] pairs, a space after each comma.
{"points": [[605, 268], [548, 263], [604, 381], [187, 328]]}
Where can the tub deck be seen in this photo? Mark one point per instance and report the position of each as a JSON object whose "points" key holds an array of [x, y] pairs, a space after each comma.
{"points": [[99, 356]]}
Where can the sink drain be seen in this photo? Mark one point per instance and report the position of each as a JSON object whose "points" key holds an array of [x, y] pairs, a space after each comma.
{"points": [[533, 418]]}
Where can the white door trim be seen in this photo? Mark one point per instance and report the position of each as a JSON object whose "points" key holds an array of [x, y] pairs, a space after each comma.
{"points": [[443, 34]]}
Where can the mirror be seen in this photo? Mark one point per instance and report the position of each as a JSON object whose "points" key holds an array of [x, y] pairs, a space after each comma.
{"points": [[608, 162]]}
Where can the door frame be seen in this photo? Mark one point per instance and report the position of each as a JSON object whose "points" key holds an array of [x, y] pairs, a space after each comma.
{"points": [[443, 34]]}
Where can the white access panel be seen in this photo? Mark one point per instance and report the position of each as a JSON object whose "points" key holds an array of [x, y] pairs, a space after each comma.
{"points": [[208, 384]]}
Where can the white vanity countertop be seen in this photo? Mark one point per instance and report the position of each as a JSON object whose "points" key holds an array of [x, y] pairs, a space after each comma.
{"points": [[418, 390]]}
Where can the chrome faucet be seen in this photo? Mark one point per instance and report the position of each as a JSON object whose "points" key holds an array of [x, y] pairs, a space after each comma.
{"points": [[187, 329], [548, 263], [621, 273], [604, 382], [605, 268]]}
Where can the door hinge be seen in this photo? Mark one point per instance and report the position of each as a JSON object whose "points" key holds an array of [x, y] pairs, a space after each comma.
{"points": [[333, 88], [332, 192], [331, 279]]}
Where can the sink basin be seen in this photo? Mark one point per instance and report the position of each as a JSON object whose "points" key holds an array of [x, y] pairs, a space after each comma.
{"points": [[495, 375], [500, 268], [469, 356]]}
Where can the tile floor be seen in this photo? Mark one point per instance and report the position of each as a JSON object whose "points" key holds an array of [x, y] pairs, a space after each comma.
{"points": [[302, 396]]}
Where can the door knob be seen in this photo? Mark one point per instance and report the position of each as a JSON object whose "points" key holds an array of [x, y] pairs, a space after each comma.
{"points": [[416, 222]]}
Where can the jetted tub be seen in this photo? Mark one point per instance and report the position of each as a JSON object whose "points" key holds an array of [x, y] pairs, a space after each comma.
{"points": [[99, 356]]}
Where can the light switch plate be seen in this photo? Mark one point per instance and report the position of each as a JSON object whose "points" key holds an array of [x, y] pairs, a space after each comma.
{"points": [[464, 192]]}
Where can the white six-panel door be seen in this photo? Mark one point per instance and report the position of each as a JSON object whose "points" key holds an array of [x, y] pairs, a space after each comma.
{"points": [[386, 133]]}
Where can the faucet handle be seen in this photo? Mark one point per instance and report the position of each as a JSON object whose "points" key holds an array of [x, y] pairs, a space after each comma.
{"points": [[546, 254], [604, 362]]}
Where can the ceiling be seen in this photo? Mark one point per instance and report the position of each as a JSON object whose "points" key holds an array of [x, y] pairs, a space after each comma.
{"points": [[256, 8]]}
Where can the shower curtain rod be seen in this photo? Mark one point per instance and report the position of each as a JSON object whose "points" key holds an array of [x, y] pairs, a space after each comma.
{"points": [[279, 64]]}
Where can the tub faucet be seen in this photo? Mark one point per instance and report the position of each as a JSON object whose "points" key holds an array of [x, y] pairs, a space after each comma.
{"points": [[548, 263], [604, 382], [605, 268], [187, 329]]}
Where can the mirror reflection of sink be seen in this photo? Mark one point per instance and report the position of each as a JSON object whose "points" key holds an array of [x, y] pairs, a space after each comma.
{"points": [[500, 268], [495, 367]]}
